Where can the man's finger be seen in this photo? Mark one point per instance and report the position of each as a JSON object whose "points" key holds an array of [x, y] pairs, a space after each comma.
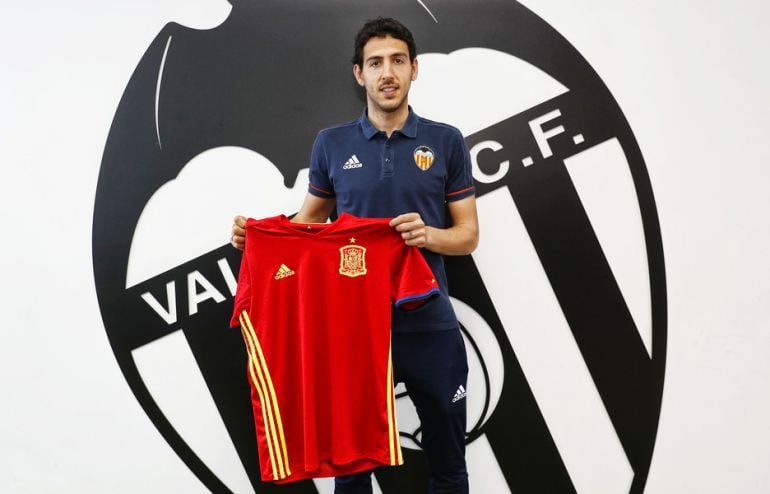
{"points": [[238, 242], [404, 218]]}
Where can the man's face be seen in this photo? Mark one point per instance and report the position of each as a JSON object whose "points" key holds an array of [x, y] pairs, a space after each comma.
{"points": [[386, 74]]}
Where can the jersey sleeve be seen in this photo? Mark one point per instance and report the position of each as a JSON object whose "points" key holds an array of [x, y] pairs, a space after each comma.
{"points": [[459, 183], [412, 281], [243, 292], [320, 182]]}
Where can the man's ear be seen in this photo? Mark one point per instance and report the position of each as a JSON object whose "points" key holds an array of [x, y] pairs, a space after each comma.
{"points": [[414, 69], [357, 73]]}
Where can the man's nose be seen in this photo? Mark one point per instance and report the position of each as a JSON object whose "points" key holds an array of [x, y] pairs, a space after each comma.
{"points": [[387, 70]]}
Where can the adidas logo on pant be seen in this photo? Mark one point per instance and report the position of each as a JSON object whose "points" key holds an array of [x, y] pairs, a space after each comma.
{"points": [[459, 394]]}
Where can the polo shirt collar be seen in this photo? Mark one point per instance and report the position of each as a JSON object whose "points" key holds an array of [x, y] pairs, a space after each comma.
{"points": [[409, 129]]}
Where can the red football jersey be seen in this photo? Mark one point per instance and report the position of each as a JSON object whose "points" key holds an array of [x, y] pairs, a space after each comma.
{"points": [[314, 305]]}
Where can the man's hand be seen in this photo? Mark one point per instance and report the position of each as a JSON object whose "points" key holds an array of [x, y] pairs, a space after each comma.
{"points": [[412, 229], [238, 238], [458, 240]]}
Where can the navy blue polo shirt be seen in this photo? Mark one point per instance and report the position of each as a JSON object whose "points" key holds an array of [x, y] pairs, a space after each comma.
{"points": [[420, 168]]}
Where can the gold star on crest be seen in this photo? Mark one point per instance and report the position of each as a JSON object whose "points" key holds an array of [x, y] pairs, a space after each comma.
{"points": [[352, 240]]}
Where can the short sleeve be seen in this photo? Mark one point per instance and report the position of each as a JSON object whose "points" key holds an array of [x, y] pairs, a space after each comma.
{"points": [[243, 292], [459, 183], [412, 281], [320, 183]]}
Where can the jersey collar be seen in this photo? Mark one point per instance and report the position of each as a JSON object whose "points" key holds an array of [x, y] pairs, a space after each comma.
{"points": [[409, 129]]}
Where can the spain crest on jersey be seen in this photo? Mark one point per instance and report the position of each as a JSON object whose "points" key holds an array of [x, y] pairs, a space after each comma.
{"points": [[353, 260], [423, 157]]}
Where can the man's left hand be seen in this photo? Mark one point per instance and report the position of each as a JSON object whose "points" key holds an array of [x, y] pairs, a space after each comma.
{"points": [[412, 229]]}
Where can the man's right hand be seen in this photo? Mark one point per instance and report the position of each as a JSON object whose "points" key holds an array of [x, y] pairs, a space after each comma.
{"points": [[238, 239]]}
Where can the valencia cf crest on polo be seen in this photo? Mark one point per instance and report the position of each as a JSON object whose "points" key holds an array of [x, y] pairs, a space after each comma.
{"points": [[423, 157]]}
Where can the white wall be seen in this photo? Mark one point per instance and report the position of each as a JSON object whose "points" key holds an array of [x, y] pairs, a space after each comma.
{"points": [[691, 78]]}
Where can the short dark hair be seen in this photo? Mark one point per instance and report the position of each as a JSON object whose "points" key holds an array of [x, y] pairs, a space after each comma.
{"points": [[380, 28]]}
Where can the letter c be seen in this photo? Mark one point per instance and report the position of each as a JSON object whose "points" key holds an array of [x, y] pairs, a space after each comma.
{"points": [[477, 173]]}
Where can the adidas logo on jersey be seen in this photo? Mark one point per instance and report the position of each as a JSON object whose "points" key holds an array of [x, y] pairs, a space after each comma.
{"points": [[352, 163], [459, 394], [284, 272]]}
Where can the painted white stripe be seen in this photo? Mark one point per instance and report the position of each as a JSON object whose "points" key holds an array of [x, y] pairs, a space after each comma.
{"points": [[484, 473], [606, 189], [547, 351], [428, 10], [157, 89], [324, 485], [172, 376]]}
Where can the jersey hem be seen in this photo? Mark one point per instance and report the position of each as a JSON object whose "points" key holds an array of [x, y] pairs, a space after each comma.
{"points": [[414, 301], [329, 469]]}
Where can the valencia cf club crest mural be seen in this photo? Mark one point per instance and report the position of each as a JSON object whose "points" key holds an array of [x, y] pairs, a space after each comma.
{"points": [[562, 306]]}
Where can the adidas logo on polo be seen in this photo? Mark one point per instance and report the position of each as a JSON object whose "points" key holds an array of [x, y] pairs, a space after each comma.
{"points": [[352, 163], [459, 394], [284, 272]]}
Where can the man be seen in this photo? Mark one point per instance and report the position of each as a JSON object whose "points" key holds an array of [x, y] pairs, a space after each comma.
{"points": [[392, 163]]}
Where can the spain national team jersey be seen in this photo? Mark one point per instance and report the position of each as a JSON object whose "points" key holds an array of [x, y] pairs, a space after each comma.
{"points": [[314, 305]]}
